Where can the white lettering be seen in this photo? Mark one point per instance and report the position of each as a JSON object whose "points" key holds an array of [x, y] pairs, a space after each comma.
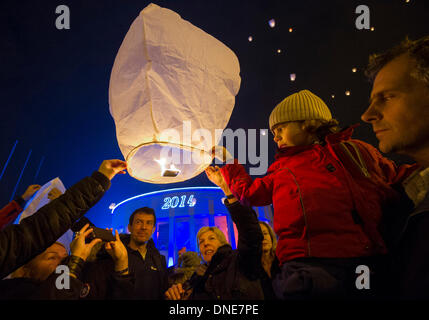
{"points": [[362, 281], [63, 280], [362, 21], [62, 21]]}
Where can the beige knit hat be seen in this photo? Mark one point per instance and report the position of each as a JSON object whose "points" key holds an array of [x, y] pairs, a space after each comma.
{"points": [[302, 105]]}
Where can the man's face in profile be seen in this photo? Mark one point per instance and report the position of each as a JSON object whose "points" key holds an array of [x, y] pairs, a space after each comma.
{"points": [[399, 108]]}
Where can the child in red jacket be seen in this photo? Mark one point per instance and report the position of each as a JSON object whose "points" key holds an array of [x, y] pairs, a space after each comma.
{"points": [[327, 191]]}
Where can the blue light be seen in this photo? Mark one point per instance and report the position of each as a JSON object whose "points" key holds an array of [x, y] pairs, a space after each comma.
{"points": [[170, 262]]}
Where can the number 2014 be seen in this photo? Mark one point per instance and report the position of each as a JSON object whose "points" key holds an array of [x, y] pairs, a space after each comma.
{"points": [[173, 202]]}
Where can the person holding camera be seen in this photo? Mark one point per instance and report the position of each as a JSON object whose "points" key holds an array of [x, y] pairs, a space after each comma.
{"points": [[97, 270]]}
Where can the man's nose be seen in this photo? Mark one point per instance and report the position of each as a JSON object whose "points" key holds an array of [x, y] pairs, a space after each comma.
{"points": [[371, 114]]}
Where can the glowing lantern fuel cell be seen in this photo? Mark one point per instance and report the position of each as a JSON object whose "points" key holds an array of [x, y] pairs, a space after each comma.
{"points": [[171, 95]]}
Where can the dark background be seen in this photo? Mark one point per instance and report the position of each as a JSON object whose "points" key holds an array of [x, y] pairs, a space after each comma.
{"points": [[54, 83]]}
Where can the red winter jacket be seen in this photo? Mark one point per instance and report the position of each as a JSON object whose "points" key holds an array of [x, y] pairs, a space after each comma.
{"points": [[324, 205]]}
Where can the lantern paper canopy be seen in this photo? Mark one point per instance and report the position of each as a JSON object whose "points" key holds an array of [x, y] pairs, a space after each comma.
{"points": [[172, 91]]}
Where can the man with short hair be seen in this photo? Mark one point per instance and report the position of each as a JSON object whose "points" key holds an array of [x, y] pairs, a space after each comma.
{"points": [[399, 114], [144, 260]]}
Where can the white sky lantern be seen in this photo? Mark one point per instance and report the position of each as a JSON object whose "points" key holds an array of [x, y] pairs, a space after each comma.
{"points": [[272, 23], [172, 92], [292, 76]]}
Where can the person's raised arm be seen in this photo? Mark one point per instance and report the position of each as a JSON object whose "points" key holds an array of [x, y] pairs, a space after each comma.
{"points": [[20, 243]]}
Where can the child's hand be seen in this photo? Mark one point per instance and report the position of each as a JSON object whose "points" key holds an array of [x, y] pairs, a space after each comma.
{"points": [[214, 175]]}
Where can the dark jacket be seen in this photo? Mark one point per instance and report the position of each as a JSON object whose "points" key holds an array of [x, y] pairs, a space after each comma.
{"points": [[97, 281], [410, 262], [234, 274], [151, 277], [21, 243], [18, 289], [267, 282]]}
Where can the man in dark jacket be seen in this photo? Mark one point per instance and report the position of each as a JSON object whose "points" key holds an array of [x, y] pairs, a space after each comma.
{"points": [[399, 114], [144, 260], [21, 243]]}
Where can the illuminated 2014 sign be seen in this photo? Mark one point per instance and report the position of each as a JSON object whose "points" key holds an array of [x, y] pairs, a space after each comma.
{"points": [[175, 201]]}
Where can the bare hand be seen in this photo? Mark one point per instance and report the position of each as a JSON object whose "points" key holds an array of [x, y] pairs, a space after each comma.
{"points": [[215, 176], [118, 252], [32, 189], [78, 247], [54, 193], [112, 167], [174, 292]]}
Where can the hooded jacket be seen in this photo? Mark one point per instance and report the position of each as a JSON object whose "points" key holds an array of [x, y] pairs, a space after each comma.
{"points": [[327, 203]]}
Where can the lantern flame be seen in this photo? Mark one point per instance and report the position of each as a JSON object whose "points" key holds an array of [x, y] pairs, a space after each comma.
{"points": [[170, 172]]}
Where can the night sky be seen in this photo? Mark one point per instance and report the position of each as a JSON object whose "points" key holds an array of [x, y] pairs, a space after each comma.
{"points": [[54, 83]]}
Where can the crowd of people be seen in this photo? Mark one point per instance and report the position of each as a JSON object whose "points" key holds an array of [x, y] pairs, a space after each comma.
{"points": [[338, 204]]}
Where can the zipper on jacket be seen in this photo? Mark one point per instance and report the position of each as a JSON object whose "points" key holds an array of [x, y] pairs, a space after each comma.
{"points": [[303, 210]]}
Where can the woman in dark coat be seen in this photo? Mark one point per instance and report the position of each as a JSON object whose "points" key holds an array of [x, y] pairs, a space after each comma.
{"points": [[226, 274]]}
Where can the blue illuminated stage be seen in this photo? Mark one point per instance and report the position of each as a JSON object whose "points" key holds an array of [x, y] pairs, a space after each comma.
{"points": [[180, 214]]}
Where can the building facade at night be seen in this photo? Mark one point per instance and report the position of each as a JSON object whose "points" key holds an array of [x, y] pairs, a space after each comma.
{"points": [[180, 214]]}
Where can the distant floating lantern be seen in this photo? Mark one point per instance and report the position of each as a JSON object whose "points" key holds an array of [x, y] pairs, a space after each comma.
{"points": [[292, 76], [354, 70], [272, 23], [172, 91], [290, 29], [263, 132], [372, 29], [348, 93], [279, 51], [333, 96], [250, 38]]}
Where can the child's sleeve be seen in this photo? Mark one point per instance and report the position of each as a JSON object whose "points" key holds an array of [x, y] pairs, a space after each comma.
{"points": [[250, 193]]}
